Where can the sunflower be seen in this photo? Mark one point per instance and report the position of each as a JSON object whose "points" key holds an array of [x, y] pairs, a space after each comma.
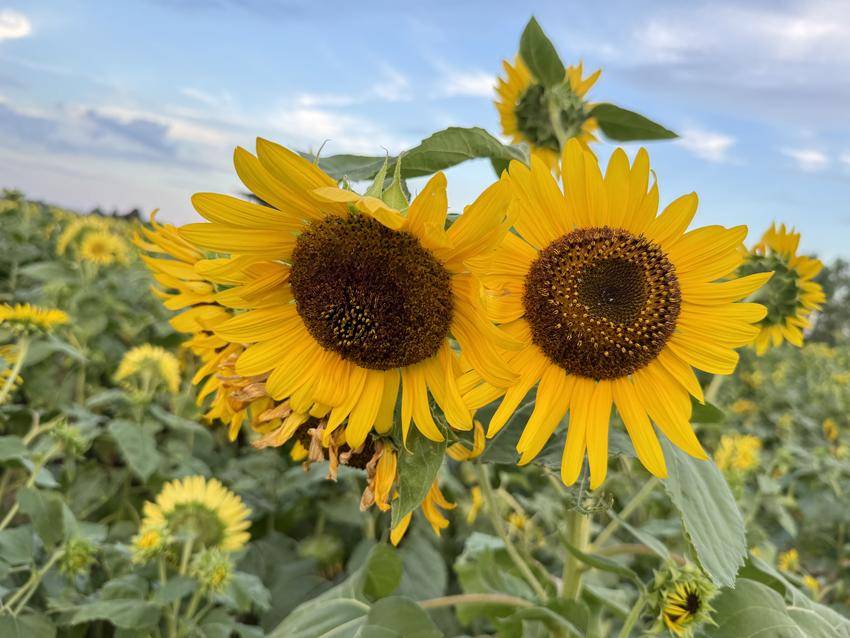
{"points": [[29, 318], [525, 115], [613, 305], [683, 608], [740, 452], [337, 303], [201, 509], [153, 365], [103, 248], [792, 294]]}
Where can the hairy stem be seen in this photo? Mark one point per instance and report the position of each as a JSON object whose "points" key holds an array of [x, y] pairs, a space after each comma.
{"points": [[499, 526], [578, 535], [636, 501]]}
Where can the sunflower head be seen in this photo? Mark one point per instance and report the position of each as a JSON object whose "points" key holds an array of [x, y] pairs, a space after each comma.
{"points": [[328, 304], [830, 429], [791, 295], [27, 319], [680, 598], [201, 509], [789, 561], [103, 248], [613, 305], [212, 568], [526, 109], [149, 366], [78, 555]]}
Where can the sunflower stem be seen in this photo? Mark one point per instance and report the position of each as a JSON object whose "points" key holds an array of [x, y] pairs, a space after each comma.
{"points": [[635, 502], [478, 599], [23, 347], [633, 617], [498, 525], [713, 388], [578, 535]]}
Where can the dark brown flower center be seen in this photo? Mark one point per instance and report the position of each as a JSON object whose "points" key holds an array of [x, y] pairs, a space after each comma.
{"points": [[373, 295], [601, 302]]}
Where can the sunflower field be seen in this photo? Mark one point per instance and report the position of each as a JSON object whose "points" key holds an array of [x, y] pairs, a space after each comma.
{"points": [[331, 407]]}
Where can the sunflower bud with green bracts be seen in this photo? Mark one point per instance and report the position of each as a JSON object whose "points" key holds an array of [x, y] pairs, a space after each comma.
{"points": [[77, 557], [70, 438], [151, 542], [791, 294], [212, 568], [679, 598]]}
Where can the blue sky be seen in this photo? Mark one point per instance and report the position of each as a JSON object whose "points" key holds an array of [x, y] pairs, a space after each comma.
{"points": [[140, 103]]}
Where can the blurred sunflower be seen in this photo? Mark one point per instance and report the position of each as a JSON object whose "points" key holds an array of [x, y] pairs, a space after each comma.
{"points": [[525, 114], [201, 509], [103, 248], [614, 305], [792, 294], [28, 318], [152, 365], [345, 302], [740, 452]]}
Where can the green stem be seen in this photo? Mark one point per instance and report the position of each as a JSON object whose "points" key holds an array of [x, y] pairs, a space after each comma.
{"points": [[30, 482], [184, 567], [633, 617], [555, 119], [713, 388], [635, 502], [26, 592], [23, 347], [578, 535], [478, 599], [193, 604], [498, 525]]}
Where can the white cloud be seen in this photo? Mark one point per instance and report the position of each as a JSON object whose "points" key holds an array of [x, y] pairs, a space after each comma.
{"points": [[808, 159], [393, 86], [207, 99], [309, 127], [13, 25], [708, 145], [467, 84]]}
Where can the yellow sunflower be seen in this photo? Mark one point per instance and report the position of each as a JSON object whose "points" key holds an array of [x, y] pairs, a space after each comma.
{"points": [[525, 115], [26, 317], [684, 608], [340, 302], [202, 509], [792, 294], [614, 305], [153, 365], [103, 248]]}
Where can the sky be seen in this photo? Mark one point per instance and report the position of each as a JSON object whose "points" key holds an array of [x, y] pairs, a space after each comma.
{"points": [[140, 104]]}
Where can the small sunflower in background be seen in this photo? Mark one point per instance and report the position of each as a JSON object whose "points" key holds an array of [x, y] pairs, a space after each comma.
{"points": [[679, 597], [738, 452], [525, 114], [149, 367], [196, 509], [792, 294], [103, 248], [378, 295], [26, 318], [614, 305]]}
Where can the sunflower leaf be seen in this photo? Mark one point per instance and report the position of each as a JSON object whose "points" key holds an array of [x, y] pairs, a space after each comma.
{"points": [[394, 195], [622, 125], [377, 187], [418, 466], [709, 514], [540, 56]]}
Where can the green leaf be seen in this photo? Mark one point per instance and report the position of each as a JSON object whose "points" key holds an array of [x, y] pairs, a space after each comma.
{"points": [[753, 609], [248, 592], [377, 187], [709, 514], [174, 589], [706, 413], [383, 573], [417, 468], [128, 613], [517, 624], [401, 616], [622, 125], [12, 448], [26, 626], [137, 446], [453, 146], [354, 167], [16, 547], [424, 574], [540, 56], [394, 195], [45, 511]]}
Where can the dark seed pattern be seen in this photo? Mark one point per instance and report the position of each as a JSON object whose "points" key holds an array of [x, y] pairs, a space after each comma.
{"points": [[371, 294], [601, 302]]}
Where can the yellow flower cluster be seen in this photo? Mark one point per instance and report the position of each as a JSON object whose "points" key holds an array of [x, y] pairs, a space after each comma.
{"points": [[151, 366], [739, 452]]}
